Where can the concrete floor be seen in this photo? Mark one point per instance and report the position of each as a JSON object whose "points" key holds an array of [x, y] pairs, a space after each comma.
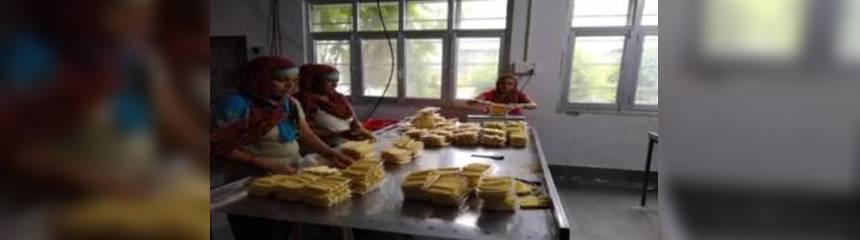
{"points": [[595, 213], [599, 213]]}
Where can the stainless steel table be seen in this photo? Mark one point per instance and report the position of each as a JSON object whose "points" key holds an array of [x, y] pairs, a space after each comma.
{"points": [[485, 117], [385, 209]]}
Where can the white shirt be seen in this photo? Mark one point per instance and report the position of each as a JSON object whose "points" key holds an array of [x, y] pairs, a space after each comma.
{"points": [[327, 121]]}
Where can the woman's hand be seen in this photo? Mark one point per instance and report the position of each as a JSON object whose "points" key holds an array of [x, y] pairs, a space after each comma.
{"points": [[522, 105], [349, 134], [358, 134], [508, 106], [323, 133], [260, 162], [339, 159], [363, 133], [529, 106], [274, 167]]}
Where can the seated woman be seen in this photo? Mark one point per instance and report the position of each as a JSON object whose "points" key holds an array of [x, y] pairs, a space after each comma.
{"points": [[507, 95], [259, 127], [331, 115]]}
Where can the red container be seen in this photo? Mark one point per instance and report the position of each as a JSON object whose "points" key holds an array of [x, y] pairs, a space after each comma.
{"points": [[376, 124]]}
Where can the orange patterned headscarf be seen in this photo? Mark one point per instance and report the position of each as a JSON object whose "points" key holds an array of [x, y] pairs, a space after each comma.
{"points": [[312, 83], [263, 114]]}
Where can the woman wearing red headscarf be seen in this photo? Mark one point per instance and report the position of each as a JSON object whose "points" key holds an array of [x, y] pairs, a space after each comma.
{"points": [[259, 127], [330, 114], [506, 94]]}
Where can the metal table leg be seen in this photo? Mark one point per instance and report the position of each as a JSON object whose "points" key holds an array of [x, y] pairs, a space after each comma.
{"points": [[347, 233], [651, 141]]}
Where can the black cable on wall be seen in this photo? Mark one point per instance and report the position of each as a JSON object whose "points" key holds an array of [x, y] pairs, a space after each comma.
{"points": [[393, 65], [275, 37]]}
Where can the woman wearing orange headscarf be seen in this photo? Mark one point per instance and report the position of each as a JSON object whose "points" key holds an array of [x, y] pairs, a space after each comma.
{"points": [[260, 127], [330, 113], [506, 94]]}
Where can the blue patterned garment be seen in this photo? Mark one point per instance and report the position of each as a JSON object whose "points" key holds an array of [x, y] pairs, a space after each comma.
{"points": [[237, 107]]}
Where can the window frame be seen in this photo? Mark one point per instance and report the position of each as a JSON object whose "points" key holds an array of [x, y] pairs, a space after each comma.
{"points": [[335, 37], [449, 37], [634, 36]]}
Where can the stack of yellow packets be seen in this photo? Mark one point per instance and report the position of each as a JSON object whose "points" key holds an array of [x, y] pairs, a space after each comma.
{"points": [[397, 156], [493, 132], [327, 191], [447, 124], [466, 134], [515, 125], [491, 137], [444, 133], [285, 187], [448, 170], [265, 186], [465, 138], [321, 170], [366, 175], [427, 118], [290, 189], [498, 193], [416, 184], [533, 202], [409, 144], [415, 133], [357, 149], [517, 134], [494, 124], [403, 151], [518, 139], [450, 189], [434, 140], [452, 127], [524, 188], [475, 172], [498, 111], [468, 126]]}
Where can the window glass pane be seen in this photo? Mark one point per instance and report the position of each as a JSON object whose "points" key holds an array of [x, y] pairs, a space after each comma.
{"points": [[600, 13], [477, 65], [368, 16], [376, 65], [649, 13], [331, 18], [646, 86], [421, 15], [482, 14], [770, 30], [335, 53], [424, 68], [596, 69], [848, 41]]}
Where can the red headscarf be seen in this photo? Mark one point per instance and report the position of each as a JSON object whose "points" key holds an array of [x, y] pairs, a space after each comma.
{"points": [[515, 96], [312, 89], [256, 83], [497, 96]]}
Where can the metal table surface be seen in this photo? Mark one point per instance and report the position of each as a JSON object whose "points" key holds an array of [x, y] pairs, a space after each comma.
{"points": [[385, 209]]}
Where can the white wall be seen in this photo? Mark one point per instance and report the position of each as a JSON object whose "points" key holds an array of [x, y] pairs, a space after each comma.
{"points": [[606, 141], [250, 18], [796, 128]]}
